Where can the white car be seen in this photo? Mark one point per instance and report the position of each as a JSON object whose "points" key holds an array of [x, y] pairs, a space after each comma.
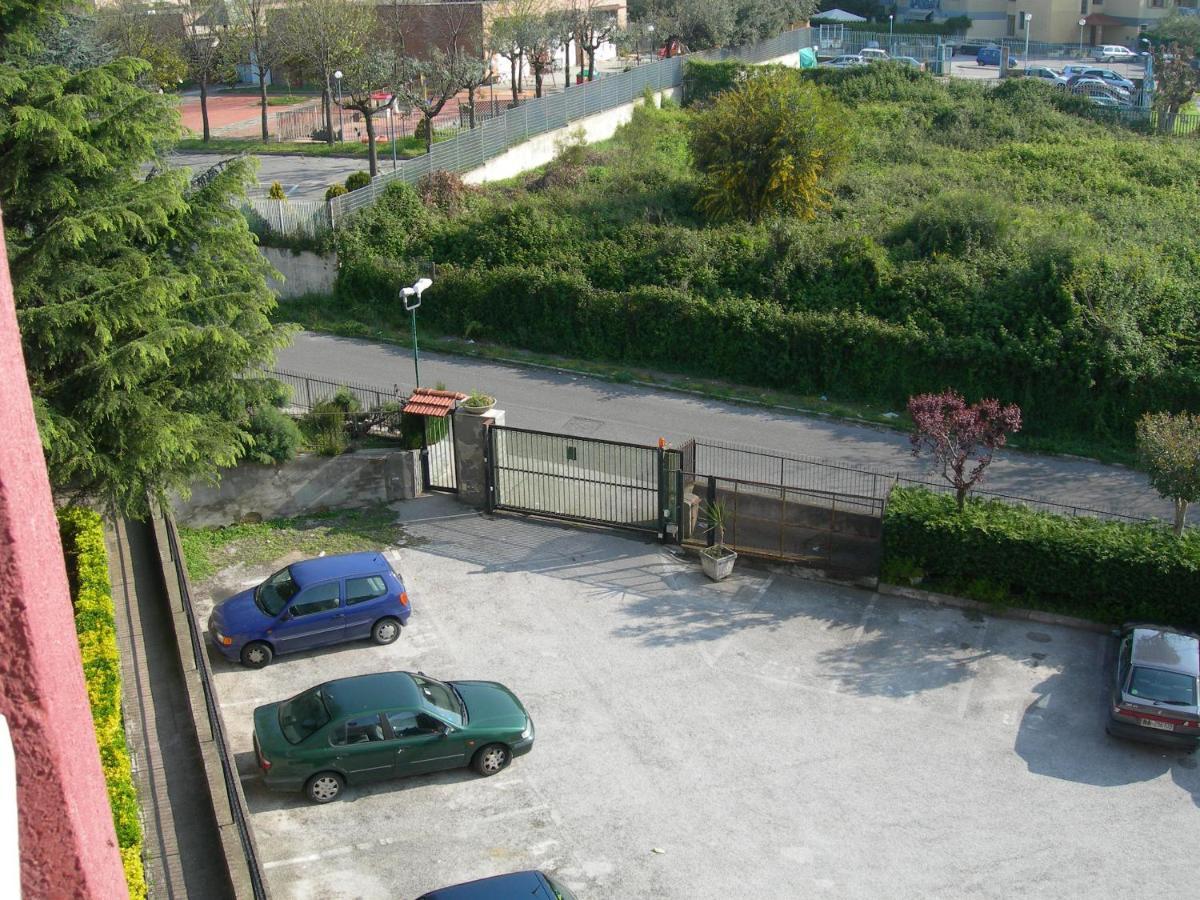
{"points": [[1114, 53], [871, 54], [846, 62]]}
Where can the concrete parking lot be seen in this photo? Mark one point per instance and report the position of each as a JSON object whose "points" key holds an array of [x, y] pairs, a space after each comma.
{"points": [[768, 736]]}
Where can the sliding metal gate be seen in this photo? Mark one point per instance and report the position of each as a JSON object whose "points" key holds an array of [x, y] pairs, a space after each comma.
{"points": [[583, 479]]}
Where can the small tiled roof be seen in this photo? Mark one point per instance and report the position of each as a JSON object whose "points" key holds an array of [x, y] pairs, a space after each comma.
{"points": [[429, 402]]}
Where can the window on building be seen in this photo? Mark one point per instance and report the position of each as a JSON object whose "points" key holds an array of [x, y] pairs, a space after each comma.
{"points": [[1083, 7], [1012, 26]]}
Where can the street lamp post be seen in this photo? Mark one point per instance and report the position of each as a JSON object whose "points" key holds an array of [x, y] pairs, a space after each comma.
{"points": [[412, 301], [1028, 28], [392, 128], [337, 76], [1082, 22], [891, 43]]}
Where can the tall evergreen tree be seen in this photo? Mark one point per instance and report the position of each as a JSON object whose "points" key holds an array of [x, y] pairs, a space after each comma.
{"points": [[141, 297]]}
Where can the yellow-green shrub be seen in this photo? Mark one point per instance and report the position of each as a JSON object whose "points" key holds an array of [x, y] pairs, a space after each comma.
{"points": [[87, 565]]}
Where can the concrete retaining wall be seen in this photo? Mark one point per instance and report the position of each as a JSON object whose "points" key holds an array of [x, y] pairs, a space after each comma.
{"points": [[303, 272], [305, 485]]}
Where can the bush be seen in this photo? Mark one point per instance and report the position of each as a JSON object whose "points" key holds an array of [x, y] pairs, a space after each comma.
{"points": [[82, 535], [444, 190], [275, 436], [335, 190], [956, 222], [1109, 572], [276, 192], [356, 180]]}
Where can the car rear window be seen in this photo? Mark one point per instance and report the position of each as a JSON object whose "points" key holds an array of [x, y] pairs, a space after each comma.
{"points": [[1174, 688], [303, 715]]}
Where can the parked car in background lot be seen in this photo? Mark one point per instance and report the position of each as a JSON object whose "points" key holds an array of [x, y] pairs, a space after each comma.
{"points": [[873, 54], [1074, 69], [513, 886], [1109, 77], [1156, 686], [846, 61], [1043, 72], [387, 725], [312, 604], [990, 56], [1114, 53], [910, 61], [1095, 88]]}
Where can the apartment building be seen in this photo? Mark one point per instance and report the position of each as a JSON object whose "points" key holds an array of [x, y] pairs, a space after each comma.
{"points": [[1055, 21]]}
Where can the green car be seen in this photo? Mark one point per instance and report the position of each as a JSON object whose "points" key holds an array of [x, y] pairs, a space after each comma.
{"points": [[387, 725]]}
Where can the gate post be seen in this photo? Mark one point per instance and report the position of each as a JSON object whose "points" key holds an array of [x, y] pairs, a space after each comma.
{"points": [[662, 496], [472, 436], [489, 484], [711, 498]]}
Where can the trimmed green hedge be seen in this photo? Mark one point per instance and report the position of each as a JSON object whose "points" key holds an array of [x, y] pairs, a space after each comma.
{"points": [[87, 565], [1106, 571]]}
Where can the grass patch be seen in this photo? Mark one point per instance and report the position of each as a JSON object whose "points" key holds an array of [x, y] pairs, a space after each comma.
{"points": [[286, 100], [406, 148], [208, 550]]}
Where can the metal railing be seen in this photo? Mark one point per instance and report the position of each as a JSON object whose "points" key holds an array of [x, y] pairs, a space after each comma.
{"points": [[237, 802], [308, 390], [727, 460], [472, 148]]}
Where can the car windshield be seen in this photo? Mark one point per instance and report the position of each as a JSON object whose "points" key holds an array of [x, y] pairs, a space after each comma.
{"points": [[301, 716], [273, 594], [1174, 688], [442, 698]]}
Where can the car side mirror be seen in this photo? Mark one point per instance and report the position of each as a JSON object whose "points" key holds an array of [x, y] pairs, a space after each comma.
{"points": [[286, 614]]}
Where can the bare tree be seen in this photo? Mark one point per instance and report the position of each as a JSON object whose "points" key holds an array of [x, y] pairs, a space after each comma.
{"points": [[542, 40], [205, 44], [596, 26], [428, 85], [132, 30], [328, 35], [508, 40], [262, 41], [369, 84]]}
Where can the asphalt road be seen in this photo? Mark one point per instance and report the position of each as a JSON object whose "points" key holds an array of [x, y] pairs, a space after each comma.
{"points": [[765, 736], [554, 401], [302, 177]]}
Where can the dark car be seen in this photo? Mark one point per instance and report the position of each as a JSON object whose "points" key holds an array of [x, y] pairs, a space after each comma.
{"points": [[513, 886], [1156, 686], [990, 56], [387, 725], [310, 604]]}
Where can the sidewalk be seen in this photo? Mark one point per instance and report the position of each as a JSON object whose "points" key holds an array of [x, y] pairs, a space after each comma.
{"points": [[182, 850]]}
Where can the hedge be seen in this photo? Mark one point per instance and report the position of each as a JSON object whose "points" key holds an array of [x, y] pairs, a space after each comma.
{"points": [[1109, 572], [87, 565]]}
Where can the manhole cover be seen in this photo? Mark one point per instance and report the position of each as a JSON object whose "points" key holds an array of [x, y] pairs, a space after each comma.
{"points": [[580, 425]]}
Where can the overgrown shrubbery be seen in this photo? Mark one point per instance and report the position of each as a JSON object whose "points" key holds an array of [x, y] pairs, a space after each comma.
{"points": [[1107, 571], [996, 240], [83, 544]]}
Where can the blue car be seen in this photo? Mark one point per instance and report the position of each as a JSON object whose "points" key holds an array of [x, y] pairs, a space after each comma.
{"points": [[311, 604], [513, 886], [990, 56]]}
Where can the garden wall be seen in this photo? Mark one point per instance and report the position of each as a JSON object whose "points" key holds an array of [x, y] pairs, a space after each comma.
{"points": [[304, 485], [303, 272]]}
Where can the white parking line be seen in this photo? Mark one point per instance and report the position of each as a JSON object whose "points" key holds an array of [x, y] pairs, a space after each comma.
{"points": [[327, 854]]}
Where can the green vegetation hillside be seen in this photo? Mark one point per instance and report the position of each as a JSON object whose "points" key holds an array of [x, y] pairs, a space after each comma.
{"points": [[995, 240]]}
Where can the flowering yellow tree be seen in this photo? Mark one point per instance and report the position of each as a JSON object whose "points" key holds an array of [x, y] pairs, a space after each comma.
{"points": [[767, 147]]}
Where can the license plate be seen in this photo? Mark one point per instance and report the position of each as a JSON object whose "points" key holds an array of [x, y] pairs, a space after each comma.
{"points": [[1154, 723]]}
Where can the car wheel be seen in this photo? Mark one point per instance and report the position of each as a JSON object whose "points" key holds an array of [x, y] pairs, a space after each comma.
{"points": [[256, 654], [324, 787], [492, 759], [385, 631]]}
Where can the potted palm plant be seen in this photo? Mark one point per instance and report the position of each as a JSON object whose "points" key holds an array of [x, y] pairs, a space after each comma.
{"points": [[717, 561], [478, 404]]}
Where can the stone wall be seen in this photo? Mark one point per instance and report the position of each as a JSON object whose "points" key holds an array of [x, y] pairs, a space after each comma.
{"points": [[304, 485], [303, 272]]}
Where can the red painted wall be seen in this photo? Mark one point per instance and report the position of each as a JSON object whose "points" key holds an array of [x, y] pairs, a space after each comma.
{"points": [[68, 845]]}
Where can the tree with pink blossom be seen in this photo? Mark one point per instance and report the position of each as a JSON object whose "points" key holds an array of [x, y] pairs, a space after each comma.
{"points": [[961, 437]]}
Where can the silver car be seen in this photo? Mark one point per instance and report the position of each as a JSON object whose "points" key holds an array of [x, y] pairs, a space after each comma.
{"points": [[1156, 686]]}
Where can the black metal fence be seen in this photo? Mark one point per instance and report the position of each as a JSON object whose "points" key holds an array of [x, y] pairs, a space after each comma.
{"points": [[308, 390], [838, 533], [734, 461]]}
